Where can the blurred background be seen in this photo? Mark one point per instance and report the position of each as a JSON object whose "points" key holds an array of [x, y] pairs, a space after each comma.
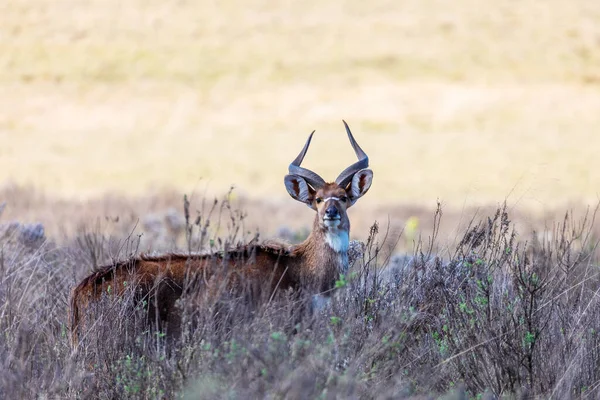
{"points": [[470, 103]]}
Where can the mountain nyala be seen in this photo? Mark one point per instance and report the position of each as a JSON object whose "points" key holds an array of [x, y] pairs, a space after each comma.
{"points": [[313, 265]]}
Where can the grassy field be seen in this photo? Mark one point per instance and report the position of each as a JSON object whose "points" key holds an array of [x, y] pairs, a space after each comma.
{"points": [[469, 104], [111, 110], [487, 317]]}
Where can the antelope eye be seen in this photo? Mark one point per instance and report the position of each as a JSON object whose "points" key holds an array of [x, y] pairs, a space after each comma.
{"points": [[319, 200]]}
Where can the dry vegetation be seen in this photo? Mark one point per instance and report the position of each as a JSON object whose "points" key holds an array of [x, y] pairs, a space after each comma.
{"points": [[496, 314], [468, 103]]}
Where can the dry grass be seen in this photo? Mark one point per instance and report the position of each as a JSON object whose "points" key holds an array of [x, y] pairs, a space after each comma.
{"points": [[493, 315], [468, 104], [159, 214]]}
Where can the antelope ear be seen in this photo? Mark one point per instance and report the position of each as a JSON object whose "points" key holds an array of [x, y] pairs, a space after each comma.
{"points": [[361, 182], [300, 190]]}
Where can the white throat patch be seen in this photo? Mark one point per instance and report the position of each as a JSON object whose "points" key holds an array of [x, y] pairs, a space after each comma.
{"points": [[338, 240]]}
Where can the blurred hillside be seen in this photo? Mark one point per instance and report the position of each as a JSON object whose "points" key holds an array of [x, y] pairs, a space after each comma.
{"points": [[469, 103]]}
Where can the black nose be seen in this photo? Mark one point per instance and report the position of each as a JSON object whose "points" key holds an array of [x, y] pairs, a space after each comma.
{"points": [[331, 212]]}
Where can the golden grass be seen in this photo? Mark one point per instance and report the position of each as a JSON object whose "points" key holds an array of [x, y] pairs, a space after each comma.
{"points": [[467, 103]]}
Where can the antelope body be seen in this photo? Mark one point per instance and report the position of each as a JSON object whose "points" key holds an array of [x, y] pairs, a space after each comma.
{"points": [[313, 265]]}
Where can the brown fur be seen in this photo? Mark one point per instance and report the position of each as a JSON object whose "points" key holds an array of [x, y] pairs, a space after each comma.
{"points": [[310, 265], [313, 265]]}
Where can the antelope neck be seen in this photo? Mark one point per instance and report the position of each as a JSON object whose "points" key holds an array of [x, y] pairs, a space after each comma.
{"points": [[337, 239], [338, 242]]}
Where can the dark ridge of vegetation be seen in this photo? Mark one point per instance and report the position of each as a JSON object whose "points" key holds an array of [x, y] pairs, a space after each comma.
{"points": [[497, 316]]}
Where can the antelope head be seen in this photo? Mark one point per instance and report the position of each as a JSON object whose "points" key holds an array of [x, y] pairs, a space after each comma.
{"points": [[330, 200]]}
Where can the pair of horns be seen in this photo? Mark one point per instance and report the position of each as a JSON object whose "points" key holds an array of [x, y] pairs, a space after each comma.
{"points": [[344, 178]]}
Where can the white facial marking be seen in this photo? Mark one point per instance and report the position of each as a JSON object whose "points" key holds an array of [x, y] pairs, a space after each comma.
{"points": [[332, 223]]}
